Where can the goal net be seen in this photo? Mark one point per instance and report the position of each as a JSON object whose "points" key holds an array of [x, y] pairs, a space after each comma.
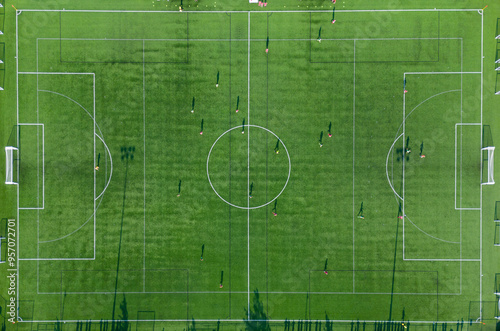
{"points": [[488, 156], [9, 165]]}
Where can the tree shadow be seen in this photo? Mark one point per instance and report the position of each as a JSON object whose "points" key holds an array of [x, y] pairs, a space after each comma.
{"points": [[257, 319]]}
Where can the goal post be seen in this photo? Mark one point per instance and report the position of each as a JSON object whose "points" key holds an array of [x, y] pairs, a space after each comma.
{"points": [[488, 157], [2, 260], [488, 153], [9, 165]]}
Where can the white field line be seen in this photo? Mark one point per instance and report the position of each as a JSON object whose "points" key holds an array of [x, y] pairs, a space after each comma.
{"points": [[446, 260], [58, 259], [236, 320], [353, 164], [17, 139], [95, 181], [244, 292], [54, 73], [244, 11], [481, 191], [456, 148], [347, 321], [144, 165], [403, 165], [444, 72], [387, 166], [106, 163], [244, 40], [43, 166], [248, 175]]}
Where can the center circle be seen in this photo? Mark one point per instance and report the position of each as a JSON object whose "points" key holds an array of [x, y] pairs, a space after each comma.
{"points": [[279, 144]]}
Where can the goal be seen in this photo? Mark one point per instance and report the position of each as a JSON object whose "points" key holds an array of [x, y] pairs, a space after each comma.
{"points": [[488, 154], [9, 165], [2, 261]]}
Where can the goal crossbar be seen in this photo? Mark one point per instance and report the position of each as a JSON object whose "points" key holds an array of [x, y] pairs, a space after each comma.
{"points": [[9, 165]]}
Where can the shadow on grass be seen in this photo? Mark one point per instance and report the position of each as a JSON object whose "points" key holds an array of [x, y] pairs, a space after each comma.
{"points": [[257, 319]]}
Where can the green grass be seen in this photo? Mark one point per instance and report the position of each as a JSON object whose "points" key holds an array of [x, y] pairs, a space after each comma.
{"points": [[140, 243]]}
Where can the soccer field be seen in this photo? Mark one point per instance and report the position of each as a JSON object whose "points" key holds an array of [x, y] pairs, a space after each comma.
{"points": [[194, 169]]}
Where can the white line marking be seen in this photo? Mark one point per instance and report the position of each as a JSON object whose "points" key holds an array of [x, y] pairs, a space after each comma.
{"points": [[429, 235], [243, 40], [55, 73], [353, 164], [144, 136], [244, 292], [237, 320], [443, 72], [402, 125], [447, 260], [456, 163], [243, 11], [111, 165], [284, 186], [95, 181], [403, 165], [481, 191], [387, 165], [248, 175], [456, 148], [17, 139], [59, 259]]}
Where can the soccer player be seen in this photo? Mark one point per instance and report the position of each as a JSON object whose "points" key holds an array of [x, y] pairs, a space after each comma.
{"points": [[404, 86], [274, 208], [251, 189], [321, 139], [98, 159], [201, 132], [217, 84], [179, 193], [330, 130], [334, 1], [221, 278], [422, 150], [400, 212], [267, 45], [360, 212], [407, 147], [192, 106], [243, 127], [333, 16], [277, 147], [319, 35], [202, 250], [238, 104], [326, 267]]}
